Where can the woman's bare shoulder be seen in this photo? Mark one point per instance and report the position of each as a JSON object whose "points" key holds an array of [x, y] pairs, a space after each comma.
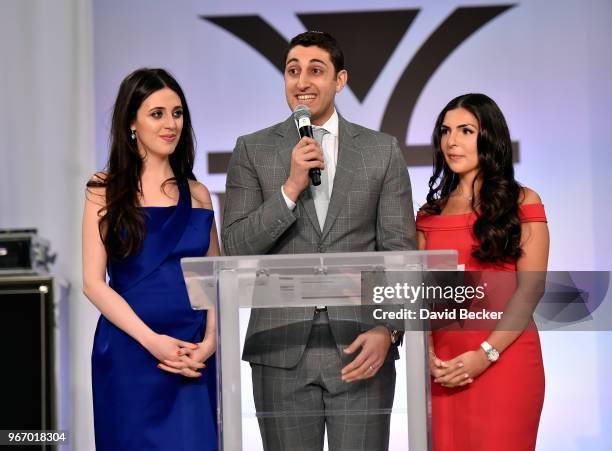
{"points": [[529, 196], [200, 195]]}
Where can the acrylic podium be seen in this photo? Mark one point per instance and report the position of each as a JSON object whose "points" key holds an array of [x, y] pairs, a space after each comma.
{"points": [[229, 284]]}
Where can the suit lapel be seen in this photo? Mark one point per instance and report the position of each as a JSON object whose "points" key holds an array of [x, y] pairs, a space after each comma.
{"points": [[348, 159], [285, 142], [288, 138]]}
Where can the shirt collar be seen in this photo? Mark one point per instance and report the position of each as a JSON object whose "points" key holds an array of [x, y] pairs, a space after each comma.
{"points": [[331, 125]]}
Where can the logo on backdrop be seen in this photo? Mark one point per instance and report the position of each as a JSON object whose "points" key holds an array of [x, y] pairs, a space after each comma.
{"points": [[368, 39]]}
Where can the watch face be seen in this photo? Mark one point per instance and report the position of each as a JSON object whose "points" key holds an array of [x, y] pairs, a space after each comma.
{"points": [[493, 355]]}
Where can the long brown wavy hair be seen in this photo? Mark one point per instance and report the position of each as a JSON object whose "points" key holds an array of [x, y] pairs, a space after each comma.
{"points": [[497, 227], [121, 225]]}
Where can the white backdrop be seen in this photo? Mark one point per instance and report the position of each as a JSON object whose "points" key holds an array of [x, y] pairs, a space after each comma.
{"points": [[548, 64]]}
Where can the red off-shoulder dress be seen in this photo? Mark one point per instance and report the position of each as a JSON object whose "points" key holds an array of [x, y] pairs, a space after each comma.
{"points": [[500, 410]]}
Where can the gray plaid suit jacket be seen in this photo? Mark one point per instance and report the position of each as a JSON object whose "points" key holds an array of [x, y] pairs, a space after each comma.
{"points": [[370, 209]]}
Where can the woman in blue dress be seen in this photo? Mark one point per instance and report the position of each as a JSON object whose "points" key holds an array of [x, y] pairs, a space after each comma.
{"points": [[153, 373]]}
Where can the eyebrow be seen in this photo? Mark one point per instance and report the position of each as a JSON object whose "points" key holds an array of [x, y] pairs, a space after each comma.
{"points": [[460, 126], [314, 60], [162, 108]]}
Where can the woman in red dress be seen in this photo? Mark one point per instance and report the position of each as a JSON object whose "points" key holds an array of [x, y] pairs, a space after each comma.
{"points": [[487, 385]]}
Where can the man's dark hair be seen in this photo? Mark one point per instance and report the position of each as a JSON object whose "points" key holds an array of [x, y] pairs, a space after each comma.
{"points": [[323, 40]]}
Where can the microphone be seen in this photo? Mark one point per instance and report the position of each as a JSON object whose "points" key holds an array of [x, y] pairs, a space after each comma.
{"points": [[301, 114]]}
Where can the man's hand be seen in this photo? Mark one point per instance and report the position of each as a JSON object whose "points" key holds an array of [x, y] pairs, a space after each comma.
{"points": [[305, 156], [374, 346]]}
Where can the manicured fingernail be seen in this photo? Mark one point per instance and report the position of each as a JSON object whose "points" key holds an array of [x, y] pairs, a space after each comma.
{"points": [[466, 375], [460, 365], [471, 380]]}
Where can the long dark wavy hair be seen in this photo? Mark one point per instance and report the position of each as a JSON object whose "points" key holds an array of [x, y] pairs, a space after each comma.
{"points": [[122, 227], [497, 227]]}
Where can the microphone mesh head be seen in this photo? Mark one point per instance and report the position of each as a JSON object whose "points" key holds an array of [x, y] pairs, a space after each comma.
{"points": [[301, 111]]}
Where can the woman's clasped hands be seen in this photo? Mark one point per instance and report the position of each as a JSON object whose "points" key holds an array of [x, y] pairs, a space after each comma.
{"points": [[459, 371], [180, 357]]}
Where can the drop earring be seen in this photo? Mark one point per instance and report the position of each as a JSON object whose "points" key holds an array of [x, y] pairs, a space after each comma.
{"points": [[133, 135]]}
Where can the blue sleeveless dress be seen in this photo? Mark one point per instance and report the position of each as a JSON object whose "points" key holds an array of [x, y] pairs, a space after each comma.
{"points": [[137, 406]]}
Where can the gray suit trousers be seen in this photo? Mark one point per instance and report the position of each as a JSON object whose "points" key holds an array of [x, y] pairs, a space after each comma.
{"points": [[295, 405]]}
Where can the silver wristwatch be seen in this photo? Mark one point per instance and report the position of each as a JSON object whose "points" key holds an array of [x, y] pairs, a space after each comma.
{"points": [[490, 351]]}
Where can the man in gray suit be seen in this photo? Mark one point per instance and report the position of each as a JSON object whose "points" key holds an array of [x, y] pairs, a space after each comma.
{"points": [[323, 367]]}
